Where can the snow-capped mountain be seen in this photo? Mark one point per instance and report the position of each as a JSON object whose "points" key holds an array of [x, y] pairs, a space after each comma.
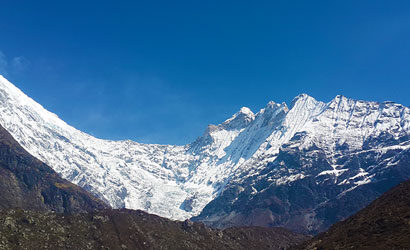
{"points": [[339, 157], [247, 154]]}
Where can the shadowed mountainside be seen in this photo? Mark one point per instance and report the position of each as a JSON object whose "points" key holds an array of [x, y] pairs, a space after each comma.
{"points": [[384, 224], [27, 183]]}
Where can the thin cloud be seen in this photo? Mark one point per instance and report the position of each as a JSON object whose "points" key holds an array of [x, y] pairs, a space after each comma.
{"points": [[17, 65], [20, 64]]}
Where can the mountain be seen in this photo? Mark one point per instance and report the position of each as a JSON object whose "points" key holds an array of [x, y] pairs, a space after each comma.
{"points": [[384, 224], [26, 182], [40, 210], [346, 154], [304, 167], [129, 229]]}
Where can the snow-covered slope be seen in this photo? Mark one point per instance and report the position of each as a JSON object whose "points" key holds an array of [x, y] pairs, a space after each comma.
{"points": [[178, 181], [171, 181], [322, 163]]}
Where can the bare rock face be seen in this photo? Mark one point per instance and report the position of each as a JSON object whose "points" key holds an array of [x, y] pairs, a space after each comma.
{"points": [[384, 224], [128, 229], [27, 183]]}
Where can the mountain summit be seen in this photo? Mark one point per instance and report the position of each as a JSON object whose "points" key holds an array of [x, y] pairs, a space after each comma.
{"points": [[283, 166], [240, 119]]}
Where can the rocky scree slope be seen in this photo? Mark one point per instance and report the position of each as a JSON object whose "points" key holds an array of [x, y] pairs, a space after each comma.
{"points": [[384, 224], [129, 229], [27, 183], [249, 170]]}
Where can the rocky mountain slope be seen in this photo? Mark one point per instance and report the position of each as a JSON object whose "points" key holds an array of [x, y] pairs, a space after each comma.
{"points": [[384, 224], [128, 229], [293, 166], [27, 183]]}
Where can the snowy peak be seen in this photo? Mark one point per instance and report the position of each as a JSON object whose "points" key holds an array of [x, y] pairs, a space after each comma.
{"points": [[247, 111], [328, 154], [300, 99], [239, 120], [271, 114], [272, 107], [341, 103], [226, 132]]}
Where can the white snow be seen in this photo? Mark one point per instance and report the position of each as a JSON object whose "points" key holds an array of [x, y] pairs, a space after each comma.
{"points": [[162, 179], [335, 172]]}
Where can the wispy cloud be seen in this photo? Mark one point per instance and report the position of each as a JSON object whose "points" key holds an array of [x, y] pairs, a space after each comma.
{"points": [[20, 64], [16, 65]]}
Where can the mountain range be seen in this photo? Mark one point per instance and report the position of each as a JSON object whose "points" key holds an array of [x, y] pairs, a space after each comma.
{"points": [[40, 210], [302, 166]]}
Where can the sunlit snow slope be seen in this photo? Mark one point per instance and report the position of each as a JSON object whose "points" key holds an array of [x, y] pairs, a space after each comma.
{"points": [[178, 181]]}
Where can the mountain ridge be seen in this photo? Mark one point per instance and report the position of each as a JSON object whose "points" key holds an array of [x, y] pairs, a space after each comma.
{"points": [[179, 181]]}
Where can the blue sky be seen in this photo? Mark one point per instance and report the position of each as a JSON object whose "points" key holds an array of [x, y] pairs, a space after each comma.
{"points": [[161, 71]]}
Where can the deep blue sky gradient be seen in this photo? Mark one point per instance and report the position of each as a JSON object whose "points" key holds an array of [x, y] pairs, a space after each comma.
{"points": [[160, 71]]}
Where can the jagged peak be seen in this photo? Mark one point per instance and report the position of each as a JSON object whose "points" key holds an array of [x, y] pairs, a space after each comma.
{"points": [[301, 98], [246, 110], [272, 106], [342, 98], [240, 119], [339, 98]]}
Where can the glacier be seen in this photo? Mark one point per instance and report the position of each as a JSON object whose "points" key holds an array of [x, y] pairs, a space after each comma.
{"points": [[177, 182]]}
